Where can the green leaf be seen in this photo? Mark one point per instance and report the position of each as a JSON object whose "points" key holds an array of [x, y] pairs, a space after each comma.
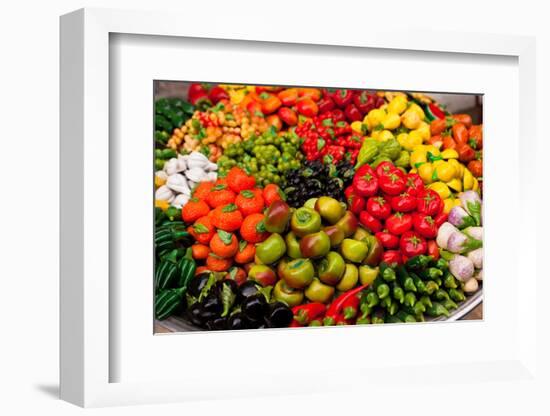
{"points": [[247, 194], [242, 245], [228, 298], [225, 237], [327, 122], [191, 300], [260, 227], [266, 292], [201, 229], [219, 187], [320, 144], [229, 208], [474, 208], [196, 124], [206, 289], [229, 116]]}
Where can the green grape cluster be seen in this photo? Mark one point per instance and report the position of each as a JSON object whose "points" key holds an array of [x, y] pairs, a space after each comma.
{"points": [[266, 157]]}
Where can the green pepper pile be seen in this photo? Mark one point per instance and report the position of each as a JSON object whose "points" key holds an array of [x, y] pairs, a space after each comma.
{"points": [[375, 152]]}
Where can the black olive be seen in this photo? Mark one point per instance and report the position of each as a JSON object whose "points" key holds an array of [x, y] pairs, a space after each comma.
{"points": [[255, 307], [279, 316], [237, 321], [217, 324], [197, 283], [248, 288]]}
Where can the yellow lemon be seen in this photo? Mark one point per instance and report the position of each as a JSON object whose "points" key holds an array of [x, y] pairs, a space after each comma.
{"points": [[374, 118], [442, 189], [449, 154], [455, 184], [424, 130], [467, 180], [417, 157], [385, 135], [411, 119], [398, 104], [459, 167], [425, 171], [391, 121], [445, 171]]}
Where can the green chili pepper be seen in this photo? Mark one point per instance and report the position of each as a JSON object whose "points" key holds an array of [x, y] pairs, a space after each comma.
{"points": [[365, 310], [159, 164], [426, 301], [383, 290], [398, 293], [456, 295], [442, 264], [405, 317], [372, 299], [394, 307], [449, 304], [431, 287], [364, 320], [449, 281], [405, 280], [387, 273], [385, 302], [441, 295], [437, 309], [410, 299], [420, 285], [418, 262], [431, 273]]}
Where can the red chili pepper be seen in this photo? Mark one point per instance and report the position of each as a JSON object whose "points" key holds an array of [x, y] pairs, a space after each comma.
{"points": [[341, 128], [433, 249], [338, 115], [369, 222], [436, 111], [304, 314], [343, 97], [336, 307], [349, 191]]}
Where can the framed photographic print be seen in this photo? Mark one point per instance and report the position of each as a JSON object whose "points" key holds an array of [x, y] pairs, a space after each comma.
{"points": [[260, 203]]}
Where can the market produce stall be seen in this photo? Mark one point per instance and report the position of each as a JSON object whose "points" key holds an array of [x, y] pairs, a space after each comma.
{"points": [[293, 207]]}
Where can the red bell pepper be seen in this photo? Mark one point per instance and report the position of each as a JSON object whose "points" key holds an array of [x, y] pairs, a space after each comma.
{"points": [[429, 202], [356, 204], [388, 240], [196, 89], [399, 223], [353, 113], [346, 299], [385, 167], [379, 207], [414, 184], [325, 105], [313, 93], [392, 257], [217, 94], [412, 244], [404, 202], [392, 183], [288, 97], [343, 97], [288, 115], [365, 181], [424, 225], [269, 102], [307, 107], [364, 101], [369, 222]]}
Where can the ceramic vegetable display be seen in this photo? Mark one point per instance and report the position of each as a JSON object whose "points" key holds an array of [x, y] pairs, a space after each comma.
{"points": [[282, 207]]}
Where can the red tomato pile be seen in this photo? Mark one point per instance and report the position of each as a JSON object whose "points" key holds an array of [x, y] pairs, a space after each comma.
{"points": [[397, 208]]}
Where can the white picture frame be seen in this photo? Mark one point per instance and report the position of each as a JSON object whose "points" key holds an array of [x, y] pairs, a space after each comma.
{"points": [[87, 308]]}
